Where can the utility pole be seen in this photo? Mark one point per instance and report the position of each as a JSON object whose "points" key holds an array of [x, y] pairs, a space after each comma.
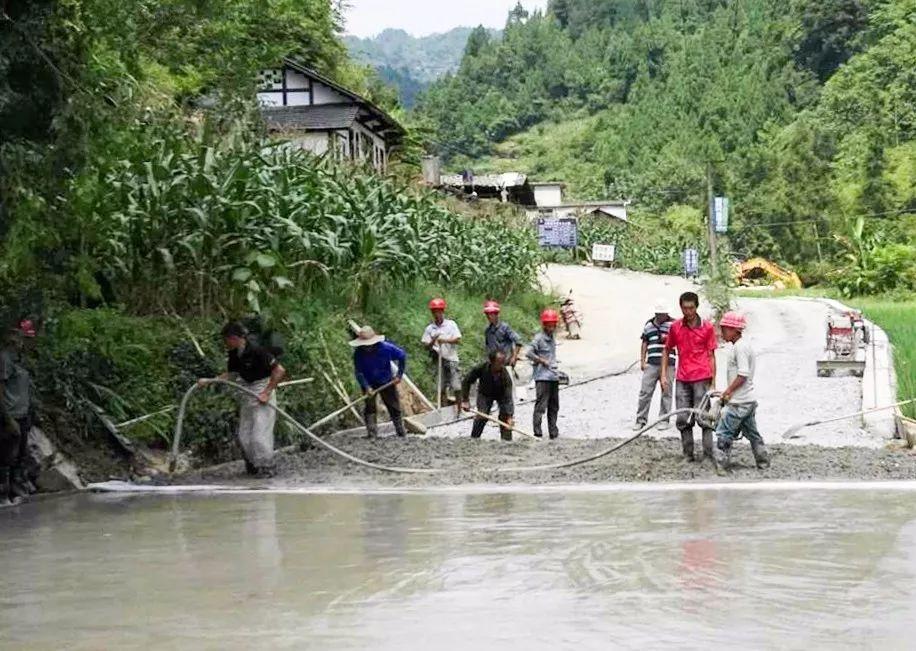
{"points": [[713, 253]]}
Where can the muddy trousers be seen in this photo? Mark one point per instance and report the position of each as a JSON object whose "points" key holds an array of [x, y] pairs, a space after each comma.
{"points": [[392, 402], [547, 400], [740, 420], [13, 454], [256, 427], [650, 378], [506, 411], [687, 395]]}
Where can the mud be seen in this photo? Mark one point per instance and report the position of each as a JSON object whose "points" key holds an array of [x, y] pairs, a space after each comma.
{"points": [[466, 462]]}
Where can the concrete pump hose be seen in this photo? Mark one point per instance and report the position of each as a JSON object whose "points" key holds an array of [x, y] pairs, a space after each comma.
{"points": [[179, 426]]}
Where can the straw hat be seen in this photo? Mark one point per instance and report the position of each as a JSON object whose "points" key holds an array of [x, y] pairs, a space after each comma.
{"points": [[367, 337]]}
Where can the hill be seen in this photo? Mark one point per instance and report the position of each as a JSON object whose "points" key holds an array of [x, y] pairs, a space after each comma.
{"points": [[411, 63]]}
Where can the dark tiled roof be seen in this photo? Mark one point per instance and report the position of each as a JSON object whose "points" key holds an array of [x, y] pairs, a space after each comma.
{"points": [[321, 117]]}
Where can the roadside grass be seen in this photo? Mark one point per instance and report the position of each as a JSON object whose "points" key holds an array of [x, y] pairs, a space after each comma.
{"points": [[895, 314]]}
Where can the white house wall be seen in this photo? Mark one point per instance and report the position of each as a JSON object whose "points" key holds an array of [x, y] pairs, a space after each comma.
{"points": [[325, 95], [548, 195], [316, 142]]}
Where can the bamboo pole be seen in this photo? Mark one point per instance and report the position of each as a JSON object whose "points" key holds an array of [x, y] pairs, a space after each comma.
{"points": [[500, 423]]}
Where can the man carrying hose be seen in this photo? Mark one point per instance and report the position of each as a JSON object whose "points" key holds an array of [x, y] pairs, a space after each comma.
{"points": [[442, 338], [494, 385], [543, 356], [499, 335], [739, 415], [372, 359], [695, 343], [256, 369]]}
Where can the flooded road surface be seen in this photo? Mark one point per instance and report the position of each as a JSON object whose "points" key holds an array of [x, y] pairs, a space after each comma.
{"points": [[481, 570]]}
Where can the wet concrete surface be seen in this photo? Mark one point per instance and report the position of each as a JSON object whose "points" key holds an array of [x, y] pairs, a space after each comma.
{"points": [[475, 570], [467, 462]]}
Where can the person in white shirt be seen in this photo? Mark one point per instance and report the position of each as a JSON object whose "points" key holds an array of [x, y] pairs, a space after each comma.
{"points": [[739, 415], [442, 338]]}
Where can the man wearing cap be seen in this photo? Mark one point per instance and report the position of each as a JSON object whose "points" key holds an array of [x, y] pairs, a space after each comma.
{"points": [[499, 335], [739, 415], [543, 356], [372, 360], [15, 414], [494, 385], [258, 370], [441, 339], [695, 342], [654, 336]]}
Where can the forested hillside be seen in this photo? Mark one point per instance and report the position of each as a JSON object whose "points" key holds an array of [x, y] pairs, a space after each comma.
{"points": [[805, 110], [141, 206], [410, 63]]}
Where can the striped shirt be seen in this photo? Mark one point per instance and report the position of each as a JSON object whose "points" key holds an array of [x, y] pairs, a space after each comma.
{"points": [[655, 336]]}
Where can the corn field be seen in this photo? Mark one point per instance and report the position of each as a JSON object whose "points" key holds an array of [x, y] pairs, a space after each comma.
{"points": [[219, 229]]}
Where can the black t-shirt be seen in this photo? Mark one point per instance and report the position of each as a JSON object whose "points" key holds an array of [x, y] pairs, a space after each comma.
{"points": [[255, 363]]}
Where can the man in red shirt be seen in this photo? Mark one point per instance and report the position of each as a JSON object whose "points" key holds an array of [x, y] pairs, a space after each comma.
{"points": [[695, 342]]}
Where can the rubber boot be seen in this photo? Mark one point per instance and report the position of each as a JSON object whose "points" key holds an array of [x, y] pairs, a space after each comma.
{"points": [[761, 456], [372, 427], [19, 485], [5, 497], [687, 444], [708, 443], [722, 459]]}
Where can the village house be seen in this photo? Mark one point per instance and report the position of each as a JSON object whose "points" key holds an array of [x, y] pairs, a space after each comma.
{"points": [[548, 199], [323, 117]]}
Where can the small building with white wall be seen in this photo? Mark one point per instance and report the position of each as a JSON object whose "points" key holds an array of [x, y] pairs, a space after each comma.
{"points": [[321, 116]]}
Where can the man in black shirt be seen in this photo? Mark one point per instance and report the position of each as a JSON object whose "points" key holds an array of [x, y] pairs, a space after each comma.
{"points": [[494, 385], [256, 369]]}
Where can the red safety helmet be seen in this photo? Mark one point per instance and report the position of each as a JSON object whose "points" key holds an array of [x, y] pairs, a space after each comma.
{"points": [[438, 304], [491, 307], [550, 316]]}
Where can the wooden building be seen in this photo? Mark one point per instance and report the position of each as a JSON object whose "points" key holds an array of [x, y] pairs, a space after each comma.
{"points": [[319, 115]]}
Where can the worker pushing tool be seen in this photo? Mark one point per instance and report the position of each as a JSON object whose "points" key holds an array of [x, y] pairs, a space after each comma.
{"points": [[543, 357], [739, 415], [499, 335], [372, 360], [494, 384], [258, 370], [442, 338], [654, 336], [695, 342]]}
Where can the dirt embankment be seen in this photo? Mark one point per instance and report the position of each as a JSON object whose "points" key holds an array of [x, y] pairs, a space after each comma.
{"points": [[465, 461]]}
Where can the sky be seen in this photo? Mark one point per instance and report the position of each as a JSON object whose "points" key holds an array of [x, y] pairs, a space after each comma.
{"points": [[423, 17]]}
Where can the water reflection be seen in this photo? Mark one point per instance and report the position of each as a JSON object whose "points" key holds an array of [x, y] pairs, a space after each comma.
{"points": [[453, 571]]}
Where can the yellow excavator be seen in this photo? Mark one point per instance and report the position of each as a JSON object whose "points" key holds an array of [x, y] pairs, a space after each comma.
{"points": [[759, 271]]}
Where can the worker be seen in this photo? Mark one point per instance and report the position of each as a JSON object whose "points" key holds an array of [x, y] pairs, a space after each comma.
{"points": [[372, 359], [543, 356], [694, 340], [739, 413], [499, 335], [494, 385], [15, 414], [256, 369], [442, 338], [654, 336]]}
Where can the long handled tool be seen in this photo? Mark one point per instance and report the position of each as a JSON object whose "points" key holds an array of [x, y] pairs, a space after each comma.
{"points": [[501, 424], [439, 381], [792, 432]]}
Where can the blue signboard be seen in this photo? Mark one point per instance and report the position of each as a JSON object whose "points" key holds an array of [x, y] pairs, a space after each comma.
{"points": [[720, 214], [691, 263], [558, 233]]}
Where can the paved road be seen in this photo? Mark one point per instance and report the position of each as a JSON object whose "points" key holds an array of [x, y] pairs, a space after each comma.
{"points": [[786, 333]]}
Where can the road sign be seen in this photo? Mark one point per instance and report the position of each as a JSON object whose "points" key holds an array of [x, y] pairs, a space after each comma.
{"points": [[691, 260], [604, 252], [720, 213], [558, 233]]}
